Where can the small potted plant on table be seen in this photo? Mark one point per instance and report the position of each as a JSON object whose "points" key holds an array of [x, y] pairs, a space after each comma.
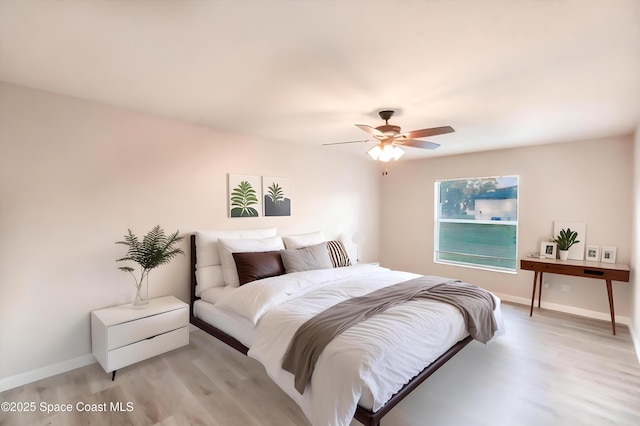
{"points": [[565, 240]]}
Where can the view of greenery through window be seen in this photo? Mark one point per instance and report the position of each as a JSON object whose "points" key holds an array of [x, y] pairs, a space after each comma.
{"points": [[477, 222]]}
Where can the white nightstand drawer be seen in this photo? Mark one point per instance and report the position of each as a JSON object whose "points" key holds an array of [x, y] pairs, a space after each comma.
{"points": [[133, 331], [122, 335], [147, 348]]}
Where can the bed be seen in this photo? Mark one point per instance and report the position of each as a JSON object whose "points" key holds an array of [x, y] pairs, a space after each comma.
{"points": [[360, 373]]}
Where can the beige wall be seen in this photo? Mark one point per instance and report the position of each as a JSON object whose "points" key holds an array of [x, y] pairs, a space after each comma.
{"points": [[635, 261], [588, 181], [74, 175]]}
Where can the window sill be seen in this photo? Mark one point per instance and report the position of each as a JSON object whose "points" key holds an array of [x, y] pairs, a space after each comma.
{"points": [[482, 267]]}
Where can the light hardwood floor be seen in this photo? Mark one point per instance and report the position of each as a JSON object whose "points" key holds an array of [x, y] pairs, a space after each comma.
{"points": [[551, 369]]}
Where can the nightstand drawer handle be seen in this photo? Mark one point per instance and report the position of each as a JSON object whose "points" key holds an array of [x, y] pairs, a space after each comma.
{"points": [[156, 335], [592, 272]]}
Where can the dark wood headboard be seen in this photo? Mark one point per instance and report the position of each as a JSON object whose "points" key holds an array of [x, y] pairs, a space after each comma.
{"points": [[192, 271]]}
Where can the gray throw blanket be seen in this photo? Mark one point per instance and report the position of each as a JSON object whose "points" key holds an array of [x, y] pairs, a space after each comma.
{"points": [[475, 304]]}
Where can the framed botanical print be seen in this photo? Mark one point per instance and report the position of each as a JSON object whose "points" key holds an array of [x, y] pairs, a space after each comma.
{"points": [[276, 196], [244, 195]]}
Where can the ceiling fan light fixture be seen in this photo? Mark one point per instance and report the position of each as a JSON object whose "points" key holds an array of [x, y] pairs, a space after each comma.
{"points": [[385, 153], [375, 152], [397, 152]]}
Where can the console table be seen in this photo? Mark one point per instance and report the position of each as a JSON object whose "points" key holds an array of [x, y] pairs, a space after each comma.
{"points": [[578, 268]]}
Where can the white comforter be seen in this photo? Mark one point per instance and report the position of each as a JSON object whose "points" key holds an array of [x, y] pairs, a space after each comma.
{"points": [[367, 363]]}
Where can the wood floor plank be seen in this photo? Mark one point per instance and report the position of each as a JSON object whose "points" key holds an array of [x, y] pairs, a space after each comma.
{"points": [[551, 369]]}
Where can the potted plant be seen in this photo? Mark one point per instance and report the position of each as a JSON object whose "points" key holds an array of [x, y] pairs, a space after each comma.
{"points": [[154, 250], [565, 240]]}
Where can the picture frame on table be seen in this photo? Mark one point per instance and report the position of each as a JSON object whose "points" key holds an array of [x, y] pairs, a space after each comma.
{"points": [[608, 255], [548, 249], [593, 253]]}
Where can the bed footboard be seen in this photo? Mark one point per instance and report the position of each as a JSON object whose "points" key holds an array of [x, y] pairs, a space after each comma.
{"points": [[369, 418]]}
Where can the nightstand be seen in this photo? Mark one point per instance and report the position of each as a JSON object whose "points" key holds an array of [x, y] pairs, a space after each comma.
{"points": [[123, 335]]}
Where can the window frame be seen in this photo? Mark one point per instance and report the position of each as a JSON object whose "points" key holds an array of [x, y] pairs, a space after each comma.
{"points": [[438, 221]]}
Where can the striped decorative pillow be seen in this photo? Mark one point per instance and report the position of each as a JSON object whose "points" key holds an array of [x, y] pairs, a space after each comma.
{"points": [[338, 254]]}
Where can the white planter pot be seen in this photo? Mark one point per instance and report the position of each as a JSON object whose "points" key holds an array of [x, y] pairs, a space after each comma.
{"points": [[564, 254]]}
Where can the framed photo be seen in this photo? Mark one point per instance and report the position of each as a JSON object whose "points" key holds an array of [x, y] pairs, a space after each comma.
{"points": [[593, 253], [608, 255], [548, 249]]}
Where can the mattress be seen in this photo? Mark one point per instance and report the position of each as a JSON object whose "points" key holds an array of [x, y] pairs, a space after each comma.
{"points": [[234, 325]]}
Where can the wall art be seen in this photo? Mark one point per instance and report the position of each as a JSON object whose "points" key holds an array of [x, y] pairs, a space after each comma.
{"points": [[276, 193], [244, 195]]}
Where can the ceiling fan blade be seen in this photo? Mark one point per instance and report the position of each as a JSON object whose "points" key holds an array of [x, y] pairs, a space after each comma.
{"points": [[371, 130], [415, 143], [424, 133], [340, 143]]}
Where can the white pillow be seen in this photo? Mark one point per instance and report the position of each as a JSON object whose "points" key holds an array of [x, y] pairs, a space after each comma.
{"points": [[292, 242], [207, 243], [208, 263], [212, 295], [228, 246], [208, 277]]}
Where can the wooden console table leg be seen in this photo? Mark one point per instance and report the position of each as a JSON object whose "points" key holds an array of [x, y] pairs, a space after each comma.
{"points": [[540, 289], [613, 315], [533, 295]]}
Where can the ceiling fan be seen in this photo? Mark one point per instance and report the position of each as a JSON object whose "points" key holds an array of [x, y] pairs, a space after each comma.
{"points": [[389, 137]]}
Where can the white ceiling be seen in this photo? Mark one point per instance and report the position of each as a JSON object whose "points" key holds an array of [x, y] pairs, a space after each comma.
{"points": [[501, 72]]}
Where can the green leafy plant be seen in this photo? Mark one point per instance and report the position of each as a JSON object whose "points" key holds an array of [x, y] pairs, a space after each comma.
{"points": [[242, 198], [566, 239], [154, 250], [276, 193]]}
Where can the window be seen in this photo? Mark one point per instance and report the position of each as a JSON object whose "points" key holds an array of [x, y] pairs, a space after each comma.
{"points": [[477, 222]]}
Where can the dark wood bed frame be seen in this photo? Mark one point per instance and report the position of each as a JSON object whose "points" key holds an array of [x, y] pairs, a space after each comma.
{"points": [[363, 415]]}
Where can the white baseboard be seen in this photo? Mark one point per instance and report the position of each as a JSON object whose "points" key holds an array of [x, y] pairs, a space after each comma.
{"points": [[44, 372], [51, 370], [567, 309], [581, 312], [636, 339]]}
